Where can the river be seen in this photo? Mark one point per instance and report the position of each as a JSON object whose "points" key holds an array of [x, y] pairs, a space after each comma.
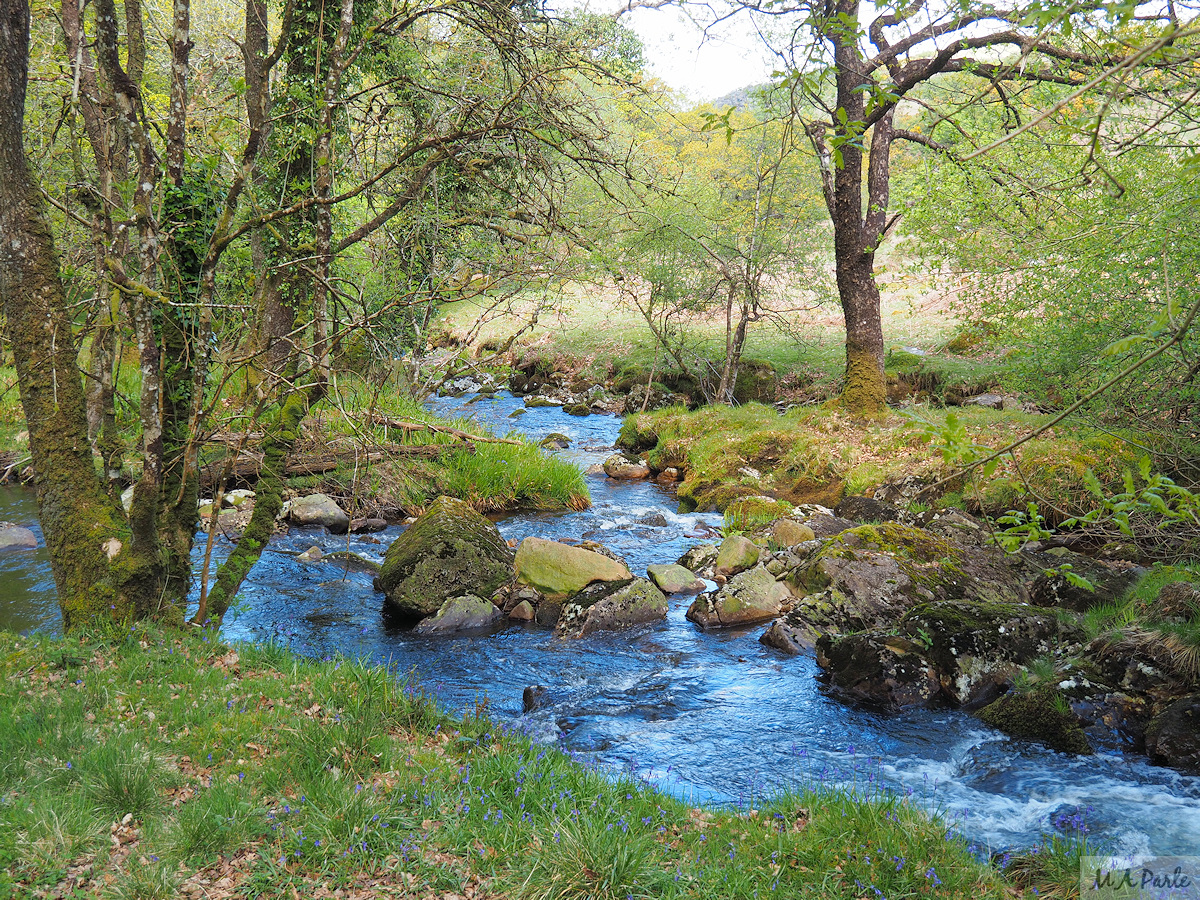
{"points": [[712, 717]]}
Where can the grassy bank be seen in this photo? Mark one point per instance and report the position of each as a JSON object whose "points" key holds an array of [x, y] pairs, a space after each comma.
{"points": [[384, 468], [364, 459], [817, 455], [164, 765]]}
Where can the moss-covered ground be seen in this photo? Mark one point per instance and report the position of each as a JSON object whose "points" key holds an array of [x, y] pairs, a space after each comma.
{"points": [[818, 455], [163, 765]]}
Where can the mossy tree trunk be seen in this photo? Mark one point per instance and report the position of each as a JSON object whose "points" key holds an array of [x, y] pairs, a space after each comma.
{"points": [[83, 527], [278, 441], [855, 236]]}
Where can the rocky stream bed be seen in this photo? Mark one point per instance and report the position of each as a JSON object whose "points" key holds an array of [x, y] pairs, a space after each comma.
{"points": [[834, 646]]}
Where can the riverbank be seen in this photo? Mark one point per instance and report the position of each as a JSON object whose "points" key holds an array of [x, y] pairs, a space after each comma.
{"points": [[167, 764]]}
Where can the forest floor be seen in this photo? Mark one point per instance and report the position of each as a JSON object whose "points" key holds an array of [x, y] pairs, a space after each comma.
{"points": [[159, 764]]}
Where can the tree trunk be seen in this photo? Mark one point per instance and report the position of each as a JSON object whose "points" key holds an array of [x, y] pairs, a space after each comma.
{"points": [[865, 390], [81, 525]]}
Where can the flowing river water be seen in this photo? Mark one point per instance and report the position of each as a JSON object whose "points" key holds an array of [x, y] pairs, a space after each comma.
{"points": [[712, 717]]}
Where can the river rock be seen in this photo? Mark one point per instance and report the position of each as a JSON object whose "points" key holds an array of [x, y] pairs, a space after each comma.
{"points": [[14, 537], [988, 401], [885, 670], [1040, 715], [622, 467], [555, 441], [699, 559], [560, 570], [876, 573], [449, 552], [466, 613], [866, 509], [1173, 736], [535, 697], [789, 533], [792, 635], [1052, 589], [737, 554], [367, 526], [238, 498], [522, 612], [748, 599], [901, 490], [353, 562], [319, 509], [954, 525], [826, 524], [611, 607], [311, 555], [674, 579]]}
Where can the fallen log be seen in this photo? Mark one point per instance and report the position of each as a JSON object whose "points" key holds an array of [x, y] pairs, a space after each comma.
{"points": [[246, 469], [457, 433]]}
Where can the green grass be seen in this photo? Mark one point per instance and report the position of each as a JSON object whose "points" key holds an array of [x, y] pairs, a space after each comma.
{"points": [[590, 325], [275, 772]]}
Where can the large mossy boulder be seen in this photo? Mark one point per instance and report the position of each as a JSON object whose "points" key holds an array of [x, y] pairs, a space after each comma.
{"points": [[559, 570], [1042, 715], [750, 598], [451, 551], [977, 647], [874, 574], [611, 606]]}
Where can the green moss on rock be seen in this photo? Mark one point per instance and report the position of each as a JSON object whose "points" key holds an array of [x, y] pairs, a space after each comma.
{"points": [[1038, 716], [450, 551]]}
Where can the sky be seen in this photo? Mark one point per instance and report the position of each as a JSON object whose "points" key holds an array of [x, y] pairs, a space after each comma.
{"points": [[703, 67]]}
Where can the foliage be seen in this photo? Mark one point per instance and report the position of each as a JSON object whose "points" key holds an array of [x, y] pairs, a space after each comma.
{"points": [[728, 238], [1075, 283]]}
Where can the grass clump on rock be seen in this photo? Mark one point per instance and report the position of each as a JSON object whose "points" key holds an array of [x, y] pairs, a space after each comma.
{"points": [[258, 773]]}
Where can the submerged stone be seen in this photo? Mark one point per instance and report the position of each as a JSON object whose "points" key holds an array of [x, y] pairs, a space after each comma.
{"points": [[1041, 715], [466, 613], [14, 537]]}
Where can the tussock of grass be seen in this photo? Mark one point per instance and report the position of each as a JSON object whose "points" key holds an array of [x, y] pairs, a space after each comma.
{"points": [[273, 773], [1131, 624]]}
